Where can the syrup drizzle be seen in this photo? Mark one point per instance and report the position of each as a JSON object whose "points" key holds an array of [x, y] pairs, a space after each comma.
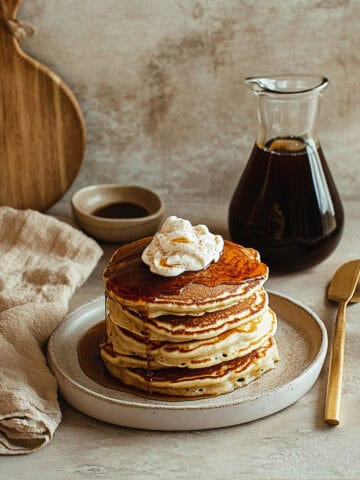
{"points": [[92, 365], [128, 277]]}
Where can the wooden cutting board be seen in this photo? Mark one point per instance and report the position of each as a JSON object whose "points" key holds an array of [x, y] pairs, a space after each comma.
{"points": [[42, 132]]}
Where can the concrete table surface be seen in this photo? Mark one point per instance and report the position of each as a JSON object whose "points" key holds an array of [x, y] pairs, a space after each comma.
{"points": [[294, 443]]}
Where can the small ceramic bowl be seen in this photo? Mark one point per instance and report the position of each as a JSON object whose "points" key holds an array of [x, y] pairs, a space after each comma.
{"points": [[89, 199]]}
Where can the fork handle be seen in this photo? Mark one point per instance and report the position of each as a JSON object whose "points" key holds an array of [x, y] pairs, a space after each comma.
{"points": [[333, 395]]}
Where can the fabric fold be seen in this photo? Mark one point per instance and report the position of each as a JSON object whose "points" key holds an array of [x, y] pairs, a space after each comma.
{"points": [[42, 262]]}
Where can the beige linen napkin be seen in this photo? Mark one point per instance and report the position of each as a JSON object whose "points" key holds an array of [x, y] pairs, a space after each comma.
{"points": [[42, 261]]}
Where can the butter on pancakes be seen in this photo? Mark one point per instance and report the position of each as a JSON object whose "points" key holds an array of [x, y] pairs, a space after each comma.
{"points": [[200, 333]]}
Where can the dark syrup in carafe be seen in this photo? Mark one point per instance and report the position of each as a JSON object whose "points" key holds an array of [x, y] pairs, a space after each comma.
{"points": [[286, 205]]}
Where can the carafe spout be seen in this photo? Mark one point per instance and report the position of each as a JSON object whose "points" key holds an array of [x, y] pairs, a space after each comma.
{"points": [[288, 84]]}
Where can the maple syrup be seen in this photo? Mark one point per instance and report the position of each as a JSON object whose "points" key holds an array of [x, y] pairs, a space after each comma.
{"points": [[92, 365], [286, 205], [121, 210], [127, 276]]}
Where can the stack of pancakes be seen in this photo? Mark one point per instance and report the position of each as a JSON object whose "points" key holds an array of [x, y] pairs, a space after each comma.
{"points": [[199, 334]]}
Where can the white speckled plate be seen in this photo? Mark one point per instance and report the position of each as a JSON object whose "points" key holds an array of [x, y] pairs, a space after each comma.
{"points": [[302, 344]]}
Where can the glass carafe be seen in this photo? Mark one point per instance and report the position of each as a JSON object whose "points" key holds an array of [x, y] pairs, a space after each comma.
{"points": [[286, 204]]}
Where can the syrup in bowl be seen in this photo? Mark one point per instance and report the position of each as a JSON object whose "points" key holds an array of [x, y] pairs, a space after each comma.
{"points": [[121, 210]]}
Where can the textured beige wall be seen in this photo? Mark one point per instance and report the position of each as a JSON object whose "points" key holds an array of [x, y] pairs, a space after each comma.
{"points": [[160, 83]]}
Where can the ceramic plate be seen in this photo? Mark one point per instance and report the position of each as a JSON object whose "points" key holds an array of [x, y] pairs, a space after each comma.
{"points": [[302, 342]]}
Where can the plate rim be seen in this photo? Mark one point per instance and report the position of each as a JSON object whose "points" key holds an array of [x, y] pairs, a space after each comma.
{"points": [[192, 405]]}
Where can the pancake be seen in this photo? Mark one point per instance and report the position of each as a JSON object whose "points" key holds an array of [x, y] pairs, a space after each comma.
{"points": [[203, 332], [219, 379], [234, 343], [236, 275], [180, 328]]}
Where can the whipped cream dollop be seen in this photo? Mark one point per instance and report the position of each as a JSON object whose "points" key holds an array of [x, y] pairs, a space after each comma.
{"points": [[179, 247]]}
